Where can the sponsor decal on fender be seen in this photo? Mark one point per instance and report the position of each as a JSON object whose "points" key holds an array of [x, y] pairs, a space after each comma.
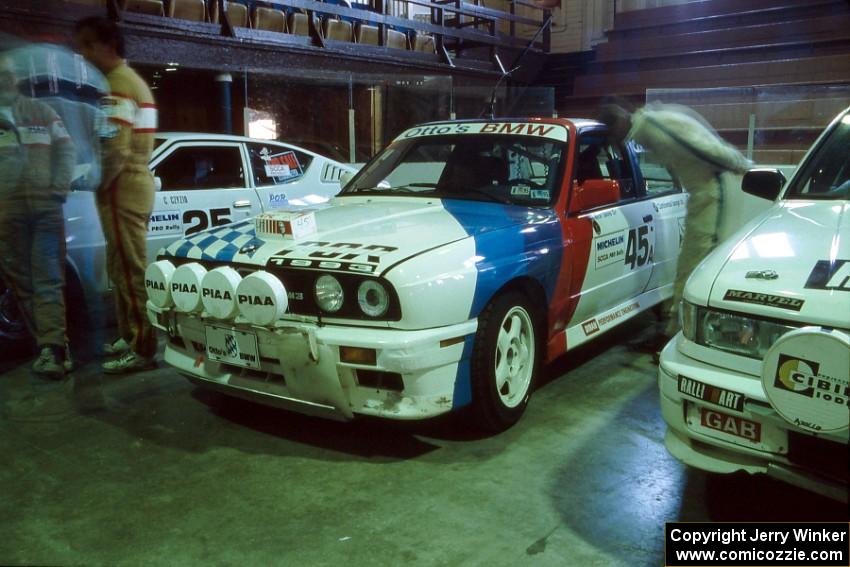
{"points": [[590, 327], [593, 325], [779, 301], [828, 275]]}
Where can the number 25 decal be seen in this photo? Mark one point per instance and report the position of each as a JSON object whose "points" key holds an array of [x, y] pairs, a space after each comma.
{"points": [[204, 219], [638, 241]]}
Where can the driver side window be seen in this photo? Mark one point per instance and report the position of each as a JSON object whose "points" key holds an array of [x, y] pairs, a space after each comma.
{"points": [[600, 159]]}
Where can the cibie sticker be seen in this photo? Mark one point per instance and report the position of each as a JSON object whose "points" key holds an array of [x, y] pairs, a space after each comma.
{"points": [[806, 376], [540, 194]]}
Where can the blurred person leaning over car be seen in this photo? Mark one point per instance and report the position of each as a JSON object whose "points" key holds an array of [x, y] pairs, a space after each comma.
{"points": [[37, 160], [126, 193], [693, 152]]}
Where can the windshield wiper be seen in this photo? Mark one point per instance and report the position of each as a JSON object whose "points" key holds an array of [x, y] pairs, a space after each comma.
{"points": [[490, 196]]}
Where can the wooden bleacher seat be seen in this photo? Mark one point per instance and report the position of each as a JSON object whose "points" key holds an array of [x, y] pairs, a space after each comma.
{"points": [[269, 19], [336, 30], [396, 39], [151, 7], [298, 24], [425, 43], [237, 14], [195, 10]]}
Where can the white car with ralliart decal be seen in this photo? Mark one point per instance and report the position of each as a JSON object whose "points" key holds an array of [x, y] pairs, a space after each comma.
{"points": [[448, 268], [759, 378]]}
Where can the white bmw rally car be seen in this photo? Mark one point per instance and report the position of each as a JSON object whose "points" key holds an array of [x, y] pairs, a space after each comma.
{"points": [[759, 378], [457, 260]]}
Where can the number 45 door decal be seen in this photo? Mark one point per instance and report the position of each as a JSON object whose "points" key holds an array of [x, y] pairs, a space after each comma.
{"points": [[198, 220], [638, 249]]}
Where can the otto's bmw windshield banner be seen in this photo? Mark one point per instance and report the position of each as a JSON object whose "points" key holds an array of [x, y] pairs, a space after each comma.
{"points": [[757, 544]]}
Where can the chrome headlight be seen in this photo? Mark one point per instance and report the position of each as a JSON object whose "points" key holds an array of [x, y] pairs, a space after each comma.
{"points": [[734, 333], [373, 298], [329, 294]]}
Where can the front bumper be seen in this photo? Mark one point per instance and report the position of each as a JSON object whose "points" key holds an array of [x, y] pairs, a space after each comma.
{"points": [[416, 374], [782, 450]]}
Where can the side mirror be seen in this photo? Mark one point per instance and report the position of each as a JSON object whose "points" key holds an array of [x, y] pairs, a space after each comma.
{"points": [[595, 193], [345, 178], [764, 183], [157, 183]]}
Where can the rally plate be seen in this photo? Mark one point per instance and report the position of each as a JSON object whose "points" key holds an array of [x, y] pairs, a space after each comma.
{"points": [[232, 346]]}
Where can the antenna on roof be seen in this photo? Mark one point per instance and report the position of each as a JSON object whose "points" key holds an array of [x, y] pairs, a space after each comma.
{"points": [[490, 109]]}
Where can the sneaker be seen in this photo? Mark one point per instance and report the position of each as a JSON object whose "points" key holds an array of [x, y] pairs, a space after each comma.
{"points": [[117, 347], [68, 364], [49, 406], [47, 365], [129, 362]]}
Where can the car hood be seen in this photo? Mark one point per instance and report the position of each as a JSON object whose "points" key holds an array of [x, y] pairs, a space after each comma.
{"points": [[794, 264], [355, 234]]}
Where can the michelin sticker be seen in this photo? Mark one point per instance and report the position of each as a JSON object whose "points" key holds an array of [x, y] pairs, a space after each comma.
{"points": [[610, 248], [165, 222], [806, 376]]}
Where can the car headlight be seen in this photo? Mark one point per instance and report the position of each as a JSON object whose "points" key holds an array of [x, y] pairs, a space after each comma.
{"points": [[329, 294], [373, 298], [734, 333]]}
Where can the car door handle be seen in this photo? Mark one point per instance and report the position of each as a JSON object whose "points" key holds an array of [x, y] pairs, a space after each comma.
{"points": [[647, 218], [241, 204]]}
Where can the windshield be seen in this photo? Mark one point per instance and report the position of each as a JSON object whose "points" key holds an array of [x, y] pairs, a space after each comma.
{"points": [[519, 170], [827, 174]]}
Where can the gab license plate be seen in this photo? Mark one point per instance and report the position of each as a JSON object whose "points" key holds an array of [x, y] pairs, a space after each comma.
{"points": [[232, 346]]}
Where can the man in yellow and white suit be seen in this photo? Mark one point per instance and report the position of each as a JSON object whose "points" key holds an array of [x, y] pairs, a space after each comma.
{"points": [[126, 194], [692, 151]]}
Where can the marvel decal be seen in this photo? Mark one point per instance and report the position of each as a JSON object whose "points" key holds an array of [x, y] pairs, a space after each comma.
{"points": [[830, 275], [781, 302]]}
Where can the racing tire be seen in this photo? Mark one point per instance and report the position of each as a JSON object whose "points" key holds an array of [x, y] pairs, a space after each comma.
{"points": [[505, 358]]}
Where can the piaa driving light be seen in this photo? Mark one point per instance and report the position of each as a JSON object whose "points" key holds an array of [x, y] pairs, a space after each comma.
{"points": [[329, 294], [261, 298], [373, 298], [158, 283]]}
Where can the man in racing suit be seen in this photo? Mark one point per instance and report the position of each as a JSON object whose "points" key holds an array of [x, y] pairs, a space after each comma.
{"points": [[37, 161], [693, 152], [125, 196]]}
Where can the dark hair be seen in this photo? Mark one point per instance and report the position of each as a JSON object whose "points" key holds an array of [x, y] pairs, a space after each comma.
{"points": [[106, 31]]}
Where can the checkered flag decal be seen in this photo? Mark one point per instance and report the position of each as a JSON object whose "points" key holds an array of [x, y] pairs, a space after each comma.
{"points": [[230, 345]]}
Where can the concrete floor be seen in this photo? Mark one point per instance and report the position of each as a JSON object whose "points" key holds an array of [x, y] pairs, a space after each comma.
{"points": [[154, 471]]}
